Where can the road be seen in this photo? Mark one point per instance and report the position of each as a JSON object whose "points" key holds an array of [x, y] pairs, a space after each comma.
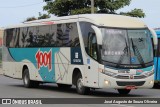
{"points": [[12, 88]]}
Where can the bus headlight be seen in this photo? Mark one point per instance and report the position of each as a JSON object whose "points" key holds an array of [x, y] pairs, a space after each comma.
{"points": [[151, 82], [149, 73], [106, 82], [109, 73]]}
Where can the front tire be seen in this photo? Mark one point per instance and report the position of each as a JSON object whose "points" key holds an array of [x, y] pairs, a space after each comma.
{"points": [[124, 91], [79, 86], [156, 85], [26, 80]]}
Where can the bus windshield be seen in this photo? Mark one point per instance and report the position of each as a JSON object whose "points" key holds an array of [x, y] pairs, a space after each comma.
{"points": [[126, 47]]}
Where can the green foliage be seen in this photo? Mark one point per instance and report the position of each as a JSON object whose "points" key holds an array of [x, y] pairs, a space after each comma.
{"points": [[30, 19], [72, 7], [82, 11], [109, 6], [59, 7], [135, 13], [41, 16], [67, 7]]}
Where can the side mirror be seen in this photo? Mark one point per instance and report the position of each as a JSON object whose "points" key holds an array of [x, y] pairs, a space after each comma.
{"points": [[98, 34]]}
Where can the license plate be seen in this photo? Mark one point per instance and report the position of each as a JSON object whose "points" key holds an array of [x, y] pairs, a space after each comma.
{"points": [[130, 87]]}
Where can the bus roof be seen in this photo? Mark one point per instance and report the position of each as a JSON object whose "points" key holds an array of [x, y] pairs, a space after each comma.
{"points": [[108, 20]]}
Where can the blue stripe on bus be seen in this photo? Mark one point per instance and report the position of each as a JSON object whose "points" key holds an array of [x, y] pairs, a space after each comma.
{"points": [[20, 54]]}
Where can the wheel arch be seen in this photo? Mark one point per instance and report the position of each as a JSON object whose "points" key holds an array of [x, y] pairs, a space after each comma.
{"points": [[76, 71], [24, 67]]}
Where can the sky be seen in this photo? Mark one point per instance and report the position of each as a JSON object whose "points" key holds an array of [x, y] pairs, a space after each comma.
{"points": [[16, 11]]}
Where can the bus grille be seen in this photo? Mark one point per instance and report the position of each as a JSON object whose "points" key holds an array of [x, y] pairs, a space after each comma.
{"points": [[122, 77], [128, 77], [139, 77], [123, 83]]}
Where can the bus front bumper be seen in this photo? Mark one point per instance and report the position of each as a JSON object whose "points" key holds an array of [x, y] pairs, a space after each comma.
{"points": [[110, 82]]}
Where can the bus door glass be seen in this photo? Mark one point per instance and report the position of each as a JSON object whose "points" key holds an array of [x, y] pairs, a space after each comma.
{"points": [[92, 45]]}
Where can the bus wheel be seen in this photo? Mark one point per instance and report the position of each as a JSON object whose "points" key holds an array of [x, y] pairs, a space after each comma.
{"points": [[26, 80], [123, 91], [156, 85], [79, 86], [64, 86]]}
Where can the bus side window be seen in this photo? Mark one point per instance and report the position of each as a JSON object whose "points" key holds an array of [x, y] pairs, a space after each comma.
{"points": [[92, 45]]}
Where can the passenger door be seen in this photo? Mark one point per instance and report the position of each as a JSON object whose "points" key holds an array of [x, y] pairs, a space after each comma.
{"points": [[92, 64]]}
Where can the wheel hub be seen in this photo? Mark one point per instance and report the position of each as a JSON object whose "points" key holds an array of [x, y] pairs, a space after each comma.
{"points": [[80, 84], [25, 80]]}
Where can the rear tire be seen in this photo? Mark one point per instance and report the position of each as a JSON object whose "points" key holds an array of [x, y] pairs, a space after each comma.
{"points": [[26, 80], [79, 86], [123, 91]]}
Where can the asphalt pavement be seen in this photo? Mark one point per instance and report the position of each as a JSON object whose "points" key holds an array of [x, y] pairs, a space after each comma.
{"points": [[13, 88]]}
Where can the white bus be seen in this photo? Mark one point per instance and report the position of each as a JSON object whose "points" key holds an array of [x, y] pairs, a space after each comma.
{"points": [[90, 51]]}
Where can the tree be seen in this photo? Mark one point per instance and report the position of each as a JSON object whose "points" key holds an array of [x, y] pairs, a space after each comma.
{"points": [[41, 16], [70, 7], [30, 19], [134, 13]]}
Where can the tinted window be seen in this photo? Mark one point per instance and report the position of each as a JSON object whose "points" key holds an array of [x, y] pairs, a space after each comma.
{"points": [[67, 35], [9, 37], [61, 35], [92, 45], [89, 39]]}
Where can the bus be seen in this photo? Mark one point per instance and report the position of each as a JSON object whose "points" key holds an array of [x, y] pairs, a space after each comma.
{"points": [[157, 61], [89, 51]]}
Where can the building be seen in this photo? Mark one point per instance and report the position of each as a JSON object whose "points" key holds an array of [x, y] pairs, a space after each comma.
{"points": [[1, 35]]}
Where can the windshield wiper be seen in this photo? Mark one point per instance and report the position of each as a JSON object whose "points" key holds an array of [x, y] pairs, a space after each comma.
{"points": [[122, 56], [137, 53]]}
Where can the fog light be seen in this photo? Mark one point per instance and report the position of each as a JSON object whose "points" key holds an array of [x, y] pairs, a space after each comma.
{"points": [[106, 82], [151, 82]]}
